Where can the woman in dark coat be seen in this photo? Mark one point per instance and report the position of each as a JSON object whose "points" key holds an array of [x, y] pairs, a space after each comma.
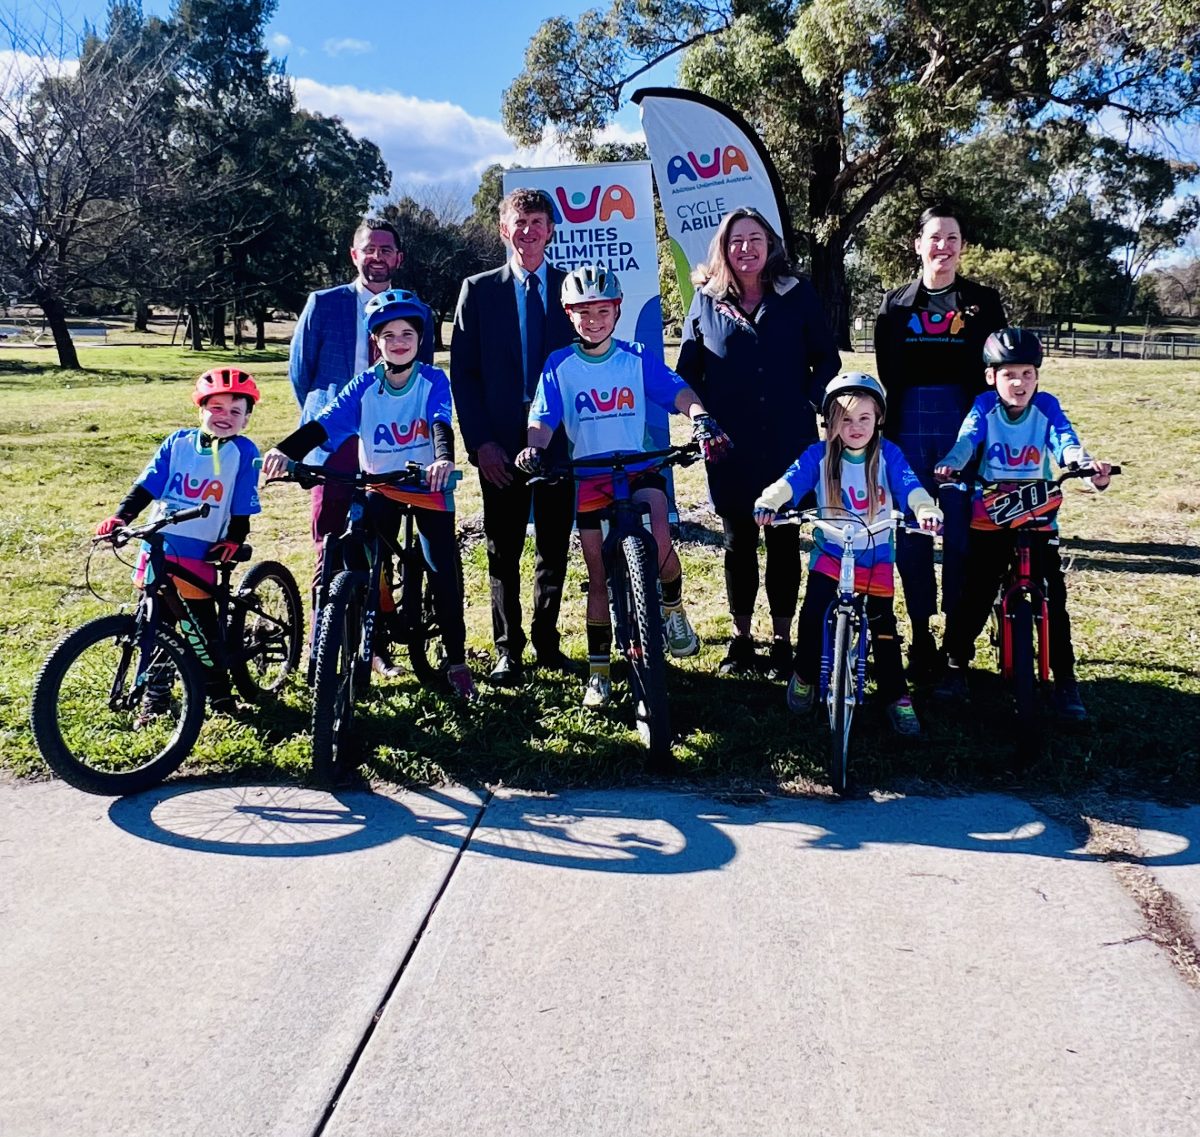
{"points": [[929, 339], [758, 349]]}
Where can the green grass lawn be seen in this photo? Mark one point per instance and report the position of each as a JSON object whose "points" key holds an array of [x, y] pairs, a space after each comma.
{"points": [[71, 444]]}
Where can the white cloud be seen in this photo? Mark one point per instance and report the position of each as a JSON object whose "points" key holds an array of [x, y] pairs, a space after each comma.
{"points": [[280, 42], [19, 70], [348, 46], [426, 142]]}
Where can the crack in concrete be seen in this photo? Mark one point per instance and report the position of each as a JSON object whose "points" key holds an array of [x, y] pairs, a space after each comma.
{"points": [[1107, 829]]}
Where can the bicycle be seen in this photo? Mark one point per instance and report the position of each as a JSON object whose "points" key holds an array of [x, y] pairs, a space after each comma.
{"points": [[347, 607], [630, 556], [1021, 613], [846, 638], [89, 715]]}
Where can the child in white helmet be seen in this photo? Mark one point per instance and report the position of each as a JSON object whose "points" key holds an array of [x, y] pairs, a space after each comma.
{"points": [[599, 389], [854, 472]]}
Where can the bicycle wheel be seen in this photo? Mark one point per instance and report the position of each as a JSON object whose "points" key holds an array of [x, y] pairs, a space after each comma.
{"points": [[647, 664], [424, 634], [110, 723], [265, 638], [339, 632], [1020, 628], [841, 702]]}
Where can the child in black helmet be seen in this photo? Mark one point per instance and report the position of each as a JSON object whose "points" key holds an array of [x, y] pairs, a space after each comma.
{"points": [[855, 472], [1009, 435]]}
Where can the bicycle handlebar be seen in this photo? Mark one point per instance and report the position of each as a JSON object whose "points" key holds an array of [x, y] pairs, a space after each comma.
{"points": [[683, 455], [1074, 470], [837, 529], [127, 533], [411, 477]]}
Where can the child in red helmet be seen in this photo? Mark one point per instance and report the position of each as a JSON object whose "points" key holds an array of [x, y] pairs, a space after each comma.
{"points": [[210, 463]]}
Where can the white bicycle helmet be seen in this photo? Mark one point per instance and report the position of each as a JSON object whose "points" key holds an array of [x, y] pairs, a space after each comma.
{"points": [[589, 283], [854, 383]]}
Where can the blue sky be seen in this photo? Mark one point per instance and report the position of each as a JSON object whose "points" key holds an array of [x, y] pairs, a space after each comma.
{"points": [[427, 91]]}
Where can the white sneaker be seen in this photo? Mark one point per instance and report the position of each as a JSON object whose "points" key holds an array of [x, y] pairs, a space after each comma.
{"points": [[598, 691], [682, 640]]}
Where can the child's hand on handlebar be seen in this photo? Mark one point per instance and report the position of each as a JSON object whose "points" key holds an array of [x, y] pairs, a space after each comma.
{"points": [[530, 460], [1101, 478], [437, 474], [943, 474], [222, 552], [714, 442], [930, 517], [275, 464], [108, 526]]}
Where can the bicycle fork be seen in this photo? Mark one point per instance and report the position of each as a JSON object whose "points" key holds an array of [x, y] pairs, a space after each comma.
{"points": [[1024, 586]]}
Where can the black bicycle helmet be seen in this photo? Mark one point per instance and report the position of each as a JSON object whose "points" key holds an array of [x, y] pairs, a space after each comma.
{"points": [[854, 383], [1012, 345]]}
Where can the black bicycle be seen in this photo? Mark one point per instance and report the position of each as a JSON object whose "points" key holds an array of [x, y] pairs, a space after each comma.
{"points": [[348, 610], [630, 555], [119, 702]]}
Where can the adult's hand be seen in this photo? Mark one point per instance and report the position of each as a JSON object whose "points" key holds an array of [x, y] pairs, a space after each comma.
{"points": [[438, 474], [494, 464]]}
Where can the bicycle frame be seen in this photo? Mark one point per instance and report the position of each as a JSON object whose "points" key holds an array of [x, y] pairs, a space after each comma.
{"points": [[1019, 583]]}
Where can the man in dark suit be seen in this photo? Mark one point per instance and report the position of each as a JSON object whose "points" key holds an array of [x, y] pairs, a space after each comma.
{"points": [[507, 322], [330, 346]]}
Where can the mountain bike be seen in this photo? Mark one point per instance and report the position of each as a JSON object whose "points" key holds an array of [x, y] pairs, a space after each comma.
{"points": [[846, 639], [348, 610], [630, 556], [1021, 618], [90, 698]]}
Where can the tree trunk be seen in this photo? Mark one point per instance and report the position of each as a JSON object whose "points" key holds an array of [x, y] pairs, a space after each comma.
{"points": [[193, 327], [56, 317], [829, 279], [217, 315], [141, 314], [260, 328], [438, 344]]}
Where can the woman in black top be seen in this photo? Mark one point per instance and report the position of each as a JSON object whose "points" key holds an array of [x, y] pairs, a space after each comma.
{"points": [[758, 350], [929, 339]]}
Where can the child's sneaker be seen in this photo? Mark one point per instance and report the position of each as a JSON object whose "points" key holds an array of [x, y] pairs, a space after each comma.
{"points": [[903, 717], [1068, 704], [462, 684], [682, 640], [799, 696], [952, 687], [598, 691]]}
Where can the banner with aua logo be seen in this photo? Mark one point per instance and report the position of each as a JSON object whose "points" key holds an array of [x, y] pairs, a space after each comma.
{"points": [[707, 162], [604, 214]]}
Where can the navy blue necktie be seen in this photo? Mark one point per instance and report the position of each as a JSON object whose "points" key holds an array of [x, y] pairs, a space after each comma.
{"points": [[535, 334]]}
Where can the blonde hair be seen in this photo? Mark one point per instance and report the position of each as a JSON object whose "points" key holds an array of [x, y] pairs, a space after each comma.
{"points": [[834, 447], [717, 272]]}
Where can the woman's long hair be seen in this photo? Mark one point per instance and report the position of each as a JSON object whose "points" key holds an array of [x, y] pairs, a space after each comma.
{"points": [[834, 447], [717, 274]]}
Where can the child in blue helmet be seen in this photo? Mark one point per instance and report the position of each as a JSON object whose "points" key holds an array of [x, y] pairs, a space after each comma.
{"points": [[1009, 435], [401, 412], [854, 472]]}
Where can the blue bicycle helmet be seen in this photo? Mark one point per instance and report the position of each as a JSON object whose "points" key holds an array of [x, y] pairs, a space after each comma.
{"points": [[854, 383], [395, 304], [1012, 345]]}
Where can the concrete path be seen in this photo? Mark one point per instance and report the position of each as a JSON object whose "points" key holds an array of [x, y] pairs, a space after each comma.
{"points": [[210, 960]]}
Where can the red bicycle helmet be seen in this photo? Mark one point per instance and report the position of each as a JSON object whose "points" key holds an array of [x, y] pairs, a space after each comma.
{"points": [[225, 381]]}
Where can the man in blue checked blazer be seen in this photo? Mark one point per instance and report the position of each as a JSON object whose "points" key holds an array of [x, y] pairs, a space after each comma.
{"points": [[330, 347]]}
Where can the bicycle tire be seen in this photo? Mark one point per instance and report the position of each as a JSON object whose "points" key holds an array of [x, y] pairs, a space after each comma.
{"points": [[647, 660], [841, 703], [426, 651], [264, 652], [1023, 682], [338, 632], [76, 724]]}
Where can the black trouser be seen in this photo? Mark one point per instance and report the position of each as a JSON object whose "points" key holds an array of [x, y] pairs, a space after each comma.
{"points": [[989, 553], [178, 613], [741, 565], [820, 592], [505, 517], [441, 555]]}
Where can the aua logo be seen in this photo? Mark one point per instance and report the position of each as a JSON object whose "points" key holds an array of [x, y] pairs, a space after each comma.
{"points": [[1006, 455], [602, 402], [935, 324], [203, 489], [859, 499], [581, 207], [722, 160], [392, 434]]}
